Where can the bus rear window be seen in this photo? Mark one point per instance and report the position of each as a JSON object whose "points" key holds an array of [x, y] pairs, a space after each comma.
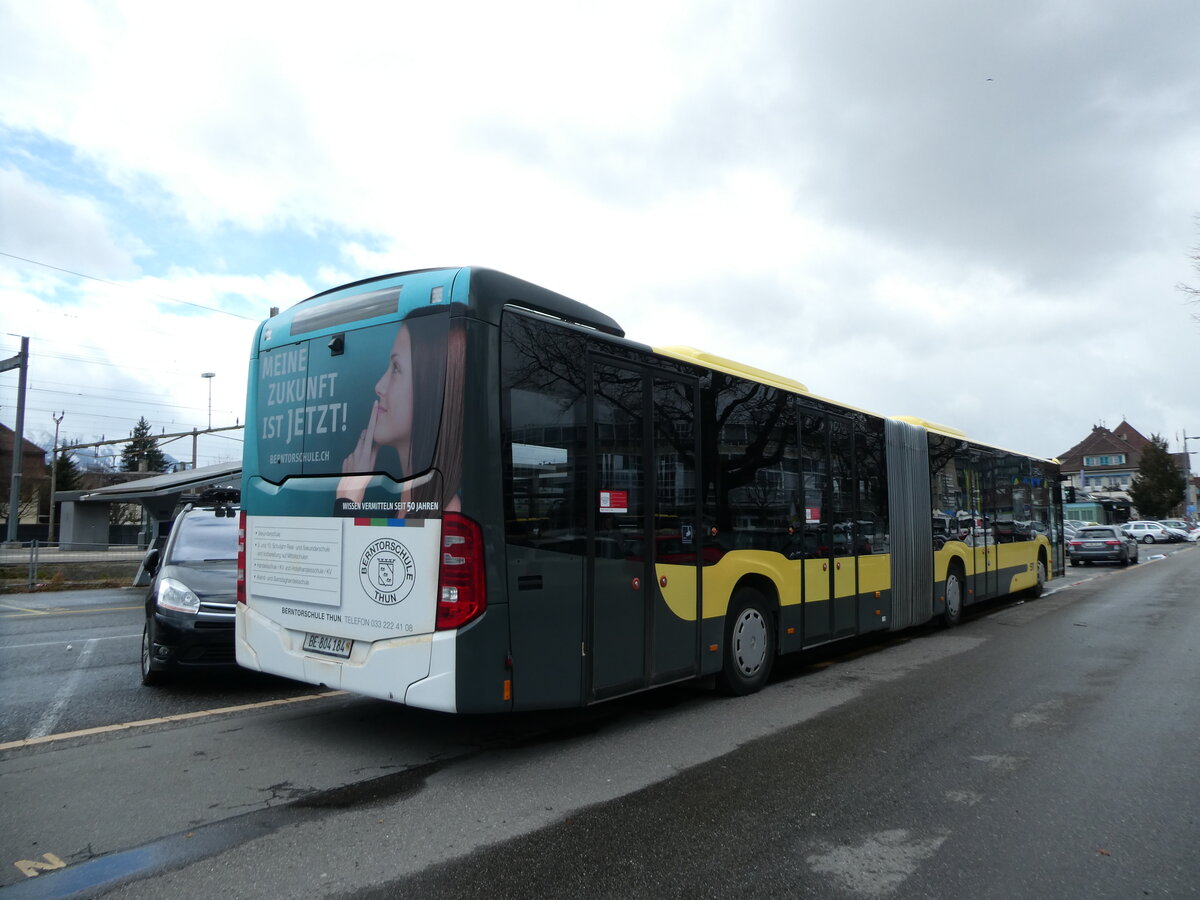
{"points": [[374, 407], [346, 310]]}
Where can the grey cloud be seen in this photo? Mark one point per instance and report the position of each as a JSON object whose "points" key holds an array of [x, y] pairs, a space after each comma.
{"points": [[970, 130], [1023, 138]]}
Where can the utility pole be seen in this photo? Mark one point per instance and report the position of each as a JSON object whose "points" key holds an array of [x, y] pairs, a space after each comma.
{"points": [[1189, 491], [21, 362], [54, 472]]}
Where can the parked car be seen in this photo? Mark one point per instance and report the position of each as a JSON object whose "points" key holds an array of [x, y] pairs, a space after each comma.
{"points": [[1176, 534], [1102, 543], [1150, 533], [193, 594], [1188, 531]]}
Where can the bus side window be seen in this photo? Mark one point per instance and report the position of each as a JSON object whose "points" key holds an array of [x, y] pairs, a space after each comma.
{"points": [[544, 438]]}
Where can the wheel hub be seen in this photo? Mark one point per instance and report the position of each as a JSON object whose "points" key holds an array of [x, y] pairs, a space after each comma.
{"points": [[953, 597], [750, 642]]}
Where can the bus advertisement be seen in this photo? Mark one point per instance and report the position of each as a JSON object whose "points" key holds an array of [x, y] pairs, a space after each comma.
{"points": [[465, 492]]}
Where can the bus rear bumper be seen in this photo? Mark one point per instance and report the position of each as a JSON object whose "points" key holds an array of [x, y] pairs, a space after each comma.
{"points": [[416, 671]]}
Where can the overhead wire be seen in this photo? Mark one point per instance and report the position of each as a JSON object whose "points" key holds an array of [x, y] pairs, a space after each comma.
{"points": [[126, 287], [45, 388]]}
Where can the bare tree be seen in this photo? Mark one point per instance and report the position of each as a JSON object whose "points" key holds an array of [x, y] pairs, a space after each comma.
{"points": [[1194, 256]]}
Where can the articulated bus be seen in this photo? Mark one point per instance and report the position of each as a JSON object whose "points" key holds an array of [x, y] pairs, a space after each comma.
{"points": [[465, 492]]}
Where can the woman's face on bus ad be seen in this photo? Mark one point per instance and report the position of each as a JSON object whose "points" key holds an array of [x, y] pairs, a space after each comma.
{"points": [[393, 423]]}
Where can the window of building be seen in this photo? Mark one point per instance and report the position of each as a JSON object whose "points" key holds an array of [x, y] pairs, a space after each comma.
{"points": [[1111, 459]]}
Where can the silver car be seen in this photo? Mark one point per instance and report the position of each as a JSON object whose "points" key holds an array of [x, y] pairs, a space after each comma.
{"points": [[1186, 531], [1102, 543], [1149, 532]]}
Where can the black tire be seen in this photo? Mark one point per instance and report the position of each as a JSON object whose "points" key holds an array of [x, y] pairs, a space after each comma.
{"points": [[1125, 559], [1040, 588], [1135, 555], [1074, 561], [1148, 539], [749, 644], [953, 593], [150, 675]]}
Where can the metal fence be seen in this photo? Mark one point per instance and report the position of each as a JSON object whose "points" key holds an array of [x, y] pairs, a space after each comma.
{"points": [[39, 556]]}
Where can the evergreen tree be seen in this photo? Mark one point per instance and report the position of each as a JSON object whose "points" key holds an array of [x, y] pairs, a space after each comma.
{"points": [[1158, 486], [142, 446], [66, 474]]}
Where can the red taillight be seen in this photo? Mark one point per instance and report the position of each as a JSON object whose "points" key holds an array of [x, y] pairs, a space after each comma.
{"points": [[1113, 543], [461, 589], [241, 565], [1076, 543]]}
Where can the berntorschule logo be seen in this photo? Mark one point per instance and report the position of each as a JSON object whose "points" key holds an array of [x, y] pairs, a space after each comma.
{"points": [[387, 571]]}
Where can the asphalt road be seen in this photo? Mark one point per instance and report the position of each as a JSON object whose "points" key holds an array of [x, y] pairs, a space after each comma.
{"points": [[1043, 749], [1058, 758], [68, 661]]}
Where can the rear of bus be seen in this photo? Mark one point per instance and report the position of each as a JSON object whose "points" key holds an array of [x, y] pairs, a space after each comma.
{"points": [[357, 567]]}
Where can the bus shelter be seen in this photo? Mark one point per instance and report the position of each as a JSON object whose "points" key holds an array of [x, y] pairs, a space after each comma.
{"points": [[85, 514]]}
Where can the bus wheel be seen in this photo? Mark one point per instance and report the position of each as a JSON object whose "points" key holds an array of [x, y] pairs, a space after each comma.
{"points": [[954, 598], [749, 644], [1040, 588]]}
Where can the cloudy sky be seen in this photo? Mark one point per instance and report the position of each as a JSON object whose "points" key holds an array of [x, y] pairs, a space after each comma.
{"points": [[976, 213]]}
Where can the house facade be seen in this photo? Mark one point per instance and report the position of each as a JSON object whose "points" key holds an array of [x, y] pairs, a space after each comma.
{"points": [[1099, 471], [35, 478]]}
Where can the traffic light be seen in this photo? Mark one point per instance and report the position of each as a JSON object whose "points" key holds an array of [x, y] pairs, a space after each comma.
{"points": [[1068, 494]]}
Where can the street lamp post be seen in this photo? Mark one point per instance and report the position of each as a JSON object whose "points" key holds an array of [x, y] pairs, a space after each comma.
{"points": [[210, 376]]}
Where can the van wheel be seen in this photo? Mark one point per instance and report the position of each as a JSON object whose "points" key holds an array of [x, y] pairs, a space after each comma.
{"points": [[150, 676], [749, 644], [954, 598]]}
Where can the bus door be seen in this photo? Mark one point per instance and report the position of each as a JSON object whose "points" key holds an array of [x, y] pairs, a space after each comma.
{"points": [[991, 567], [818, 528], [844, 565], [830, 527], [644, 566]]}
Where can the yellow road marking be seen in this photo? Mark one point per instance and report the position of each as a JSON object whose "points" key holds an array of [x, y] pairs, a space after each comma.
{"points": [[56, 611], [18, 608], [32, 867], [162, 720]]}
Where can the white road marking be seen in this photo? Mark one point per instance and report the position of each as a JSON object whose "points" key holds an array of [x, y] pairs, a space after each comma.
{"points": [[50, 717], [1040, 714], [967, 798], [880, 864], [111, 637], [1000, 762]]}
